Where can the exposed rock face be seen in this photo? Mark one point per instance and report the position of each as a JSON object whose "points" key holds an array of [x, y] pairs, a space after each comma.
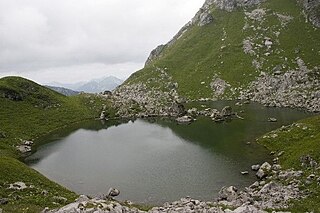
{"points": [[155, 54], [230, 5], [218, 86], [312, 11], [295, 88], [205, 18]]}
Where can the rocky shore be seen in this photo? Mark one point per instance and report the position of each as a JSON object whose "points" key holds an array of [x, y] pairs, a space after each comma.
{"points": [[274, 189]]}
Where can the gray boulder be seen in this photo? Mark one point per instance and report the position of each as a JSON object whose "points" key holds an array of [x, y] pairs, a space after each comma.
{"points": [[264, 170], [112, 192], [228, 193]]}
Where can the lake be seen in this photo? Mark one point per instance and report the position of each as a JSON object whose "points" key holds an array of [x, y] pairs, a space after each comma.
{"points": [[156, 160]]}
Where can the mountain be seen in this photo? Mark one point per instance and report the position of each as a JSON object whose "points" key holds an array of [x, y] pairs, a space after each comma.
{"points": [[93, 86], [261, 50], [100, 85], [63, 91]]}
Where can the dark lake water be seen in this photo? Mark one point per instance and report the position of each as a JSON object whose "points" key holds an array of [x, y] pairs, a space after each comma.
{"points": [[154, 161]]}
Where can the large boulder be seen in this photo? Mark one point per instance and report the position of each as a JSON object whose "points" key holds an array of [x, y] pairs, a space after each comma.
{"points": [[264, 170], [228, 193], [112, 192]]}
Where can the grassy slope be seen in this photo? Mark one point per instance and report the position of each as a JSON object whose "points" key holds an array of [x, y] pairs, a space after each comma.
{"points": [[299, 139], [40, 111], [197, 56]]}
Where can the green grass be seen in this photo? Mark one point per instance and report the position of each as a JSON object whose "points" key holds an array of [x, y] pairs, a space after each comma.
{"points": [[197, 56], [30, 112], [31, 199], [299, 139]]}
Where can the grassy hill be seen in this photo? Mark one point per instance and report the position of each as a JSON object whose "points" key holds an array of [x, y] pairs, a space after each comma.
{"points": [[297, 141], [203, 53], [28, 111]]}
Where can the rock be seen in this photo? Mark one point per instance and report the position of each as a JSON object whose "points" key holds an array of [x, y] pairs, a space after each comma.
{"points": [[272, 120], [82, 198], [44, 192], [276, 167], [255, 167], [4, 201], [226, 111], [24, 149], [28, 143], [307, 161], [228, 193], [184, 119], [18, 186], [268, 187], [205, 19], [107, 93], [245, 173], [311, 177], [155, 54], [247, 209], [218, 86], [263, 170], [280, 153], [257, 14], [261, 174], [112, 192], [102, 115], [311, 9], [266, 166]]}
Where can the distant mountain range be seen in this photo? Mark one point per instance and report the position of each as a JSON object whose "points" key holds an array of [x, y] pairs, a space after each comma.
{"points": [[64, 91], [93, 86]]}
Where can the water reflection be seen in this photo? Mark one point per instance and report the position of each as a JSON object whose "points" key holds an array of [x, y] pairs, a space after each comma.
{"points": [[153, 161]]}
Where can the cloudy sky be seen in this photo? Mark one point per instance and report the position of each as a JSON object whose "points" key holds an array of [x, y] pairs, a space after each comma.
{"points": [[76, 40]]}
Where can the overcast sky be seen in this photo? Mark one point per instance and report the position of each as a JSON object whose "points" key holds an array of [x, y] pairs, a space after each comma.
{"points": [[77, 40]]}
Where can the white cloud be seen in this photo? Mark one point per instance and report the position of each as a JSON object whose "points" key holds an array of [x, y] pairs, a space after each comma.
{"points": [[64, 36]]}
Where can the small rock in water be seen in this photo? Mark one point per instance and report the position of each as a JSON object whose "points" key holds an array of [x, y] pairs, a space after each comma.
{"points": [[245, 173], [184, 119], [272, 120]]}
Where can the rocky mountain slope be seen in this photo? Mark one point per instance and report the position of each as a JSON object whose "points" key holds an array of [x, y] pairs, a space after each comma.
{"points": [[262, 50]]}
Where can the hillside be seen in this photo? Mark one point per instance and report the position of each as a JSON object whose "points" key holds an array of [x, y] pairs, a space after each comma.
{"points": [[265, 51], [28, 111]]}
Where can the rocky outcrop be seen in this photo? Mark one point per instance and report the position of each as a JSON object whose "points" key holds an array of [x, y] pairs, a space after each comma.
{"points": [[155, 54], [136, 100], [218, 86], [25, 147], [312, 11], [296, 88]]}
